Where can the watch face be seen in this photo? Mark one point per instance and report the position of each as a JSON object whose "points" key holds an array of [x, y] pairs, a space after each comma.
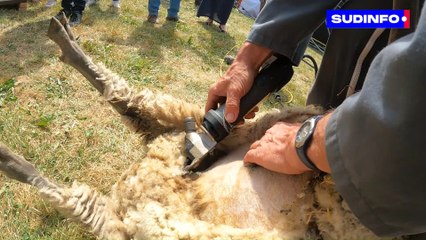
{"points": [[303, 133]]}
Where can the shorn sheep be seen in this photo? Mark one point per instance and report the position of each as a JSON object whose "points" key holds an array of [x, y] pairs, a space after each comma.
{"points": [[155, 199]]}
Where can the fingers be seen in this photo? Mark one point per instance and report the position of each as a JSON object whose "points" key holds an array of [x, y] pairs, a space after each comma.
{"points": [[252, 113], [254, 155], [250, 158], [249, 115], [232, 107], [236, 82], [258, 149], [233, 94], [275, 150], [216, 92]]}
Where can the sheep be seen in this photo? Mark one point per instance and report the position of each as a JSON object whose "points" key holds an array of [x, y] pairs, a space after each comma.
{"points": [[155, 199]]}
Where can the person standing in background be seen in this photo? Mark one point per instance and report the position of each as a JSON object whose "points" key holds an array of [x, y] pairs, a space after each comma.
{"points": [[50, 3], [216, 10], [172, 12], [73, 10], [115, 3]]}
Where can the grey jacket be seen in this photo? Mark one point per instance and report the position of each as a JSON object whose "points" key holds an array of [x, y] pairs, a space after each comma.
{"points": [[285, 26], [375, 138]]}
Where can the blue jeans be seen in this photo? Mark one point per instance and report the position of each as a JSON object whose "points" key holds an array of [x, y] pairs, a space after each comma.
{"points": [[154, 6]]}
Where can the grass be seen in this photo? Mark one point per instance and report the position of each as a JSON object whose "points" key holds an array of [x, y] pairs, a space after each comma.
{"points": [[56, 120]]}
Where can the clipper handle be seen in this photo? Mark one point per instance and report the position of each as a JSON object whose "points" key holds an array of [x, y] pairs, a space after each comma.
{"points": [[269, 79]]}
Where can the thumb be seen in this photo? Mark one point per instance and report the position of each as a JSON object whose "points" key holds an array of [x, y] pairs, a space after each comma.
{"points": [[232, 108], [250, 157]]}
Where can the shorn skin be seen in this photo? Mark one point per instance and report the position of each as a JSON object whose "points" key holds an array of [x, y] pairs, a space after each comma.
{"points": [[155, 199]]}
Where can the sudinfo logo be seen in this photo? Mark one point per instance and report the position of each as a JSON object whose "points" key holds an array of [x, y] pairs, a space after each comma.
{"points": [[368, 19]]}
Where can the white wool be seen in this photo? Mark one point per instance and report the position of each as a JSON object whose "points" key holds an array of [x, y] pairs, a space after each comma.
{"points": [[153, 200]]}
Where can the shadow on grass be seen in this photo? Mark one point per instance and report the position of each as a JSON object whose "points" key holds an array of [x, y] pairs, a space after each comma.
{"points": [[153, 39], [25, 48], [95, 13]]}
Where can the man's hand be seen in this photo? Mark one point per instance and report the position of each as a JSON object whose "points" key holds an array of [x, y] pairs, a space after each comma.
{"points": [[275, 150], [237, 81]]}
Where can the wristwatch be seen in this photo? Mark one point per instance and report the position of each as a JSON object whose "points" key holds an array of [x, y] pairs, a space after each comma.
{"points": [[303, 140]]}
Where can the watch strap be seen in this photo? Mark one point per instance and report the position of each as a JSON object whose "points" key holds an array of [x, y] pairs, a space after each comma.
{"points": [[304, 158], [301, 151]]}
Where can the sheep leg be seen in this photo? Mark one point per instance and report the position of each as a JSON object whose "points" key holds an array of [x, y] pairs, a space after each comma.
{"points": [[59, 31], [148, 112], [16, 167], [80, 203], [114, 89]]}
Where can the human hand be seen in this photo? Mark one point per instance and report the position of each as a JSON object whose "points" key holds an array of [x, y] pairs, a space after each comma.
{"points": [[237, 81], [276, 151]]}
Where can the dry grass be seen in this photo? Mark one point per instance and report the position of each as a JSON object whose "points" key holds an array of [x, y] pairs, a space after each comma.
{"points": [[51, 116]]}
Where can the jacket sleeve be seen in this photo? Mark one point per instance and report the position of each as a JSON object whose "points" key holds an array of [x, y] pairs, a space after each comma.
{"points": [[376, 139], [285, 26]]}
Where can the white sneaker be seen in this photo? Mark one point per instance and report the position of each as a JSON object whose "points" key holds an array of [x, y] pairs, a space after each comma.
{"points": [[50, 3], [90, 2], [116, 4]]}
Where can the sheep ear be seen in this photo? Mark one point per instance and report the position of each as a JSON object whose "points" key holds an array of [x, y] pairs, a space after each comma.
{"points": [[149, 112]]}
